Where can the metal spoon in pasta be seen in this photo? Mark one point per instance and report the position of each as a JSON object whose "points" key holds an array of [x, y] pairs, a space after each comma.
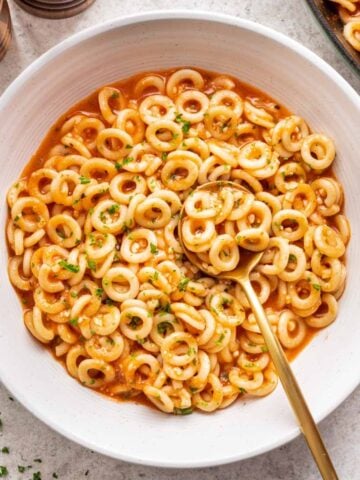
{"points": [[247, 262]]}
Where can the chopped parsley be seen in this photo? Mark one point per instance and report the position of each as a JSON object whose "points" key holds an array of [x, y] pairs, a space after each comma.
{"points": [[36, 476], [242, 390], [99, 292], [114, 208], [317, 286], [185, 124], [3, 471], [162, 327], [166, 308], [69, 266], [73, 321], [134, 322], [183, 411], [292, 258], [84, 180], [164, 156], [91, 264], [155, 276], [153, 249], [183, 284], [220, 339], [5, 450], [115, 95]]}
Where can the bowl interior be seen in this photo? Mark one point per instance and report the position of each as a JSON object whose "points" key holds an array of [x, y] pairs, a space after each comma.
{"points": [[328, 369]]}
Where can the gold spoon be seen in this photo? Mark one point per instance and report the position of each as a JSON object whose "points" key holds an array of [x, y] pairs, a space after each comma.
{"points": [[240, 274]]}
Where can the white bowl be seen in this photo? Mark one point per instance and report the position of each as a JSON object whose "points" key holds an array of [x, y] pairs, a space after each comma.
{"points": [[328, 369]]}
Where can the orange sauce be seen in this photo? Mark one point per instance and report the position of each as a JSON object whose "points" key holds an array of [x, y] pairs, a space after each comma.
{"points": [[89, 106]]}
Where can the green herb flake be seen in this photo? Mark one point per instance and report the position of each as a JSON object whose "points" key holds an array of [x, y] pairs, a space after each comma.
{"points": [[242, 390], [185, 124], [113, 209], [155, 276], [134, 322], [74, 294], [36, 476], [115, 95], [164, 156], [99, 292], [5, 450], [92, 265], [292, 257], [3, 471], [84, 180], [69, 266], [153, 249], [55, 475], [73, 321], [183, 411], [220, 339], [264, 348], [162, 327], [317, 287], [183, 284], [128, 160]]}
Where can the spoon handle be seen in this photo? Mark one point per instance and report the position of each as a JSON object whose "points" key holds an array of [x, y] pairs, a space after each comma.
{"points": [[290, 385]]}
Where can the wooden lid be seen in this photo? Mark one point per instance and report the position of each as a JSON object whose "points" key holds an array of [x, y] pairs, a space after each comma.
{"points": [[54, 9], [5, 28]]}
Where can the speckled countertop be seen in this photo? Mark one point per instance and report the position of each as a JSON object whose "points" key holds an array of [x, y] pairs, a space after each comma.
{"points": [[32, 443]]}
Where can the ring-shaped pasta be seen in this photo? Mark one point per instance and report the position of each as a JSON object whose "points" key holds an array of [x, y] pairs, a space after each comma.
{"points": [[156, 107], [153, 213], [290, 224], [173, 131], [221, 122], [64, 230], [125, 186], [104, 369], [179, 349], [121, 141], [254, 155], [192, 105], [39, 184], [322, 144], [136, 247], [120, 284], [328, 242], [135, 323], [229, 99], [29, 222], [111, 101], [104, 348], [291, 329], [149, 84], [179, 81], [227, 310], [108, 217]]}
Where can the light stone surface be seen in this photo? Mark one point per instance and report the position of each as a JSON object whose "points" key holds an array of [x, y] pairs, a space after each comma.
{"points": [[29, 439]]}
